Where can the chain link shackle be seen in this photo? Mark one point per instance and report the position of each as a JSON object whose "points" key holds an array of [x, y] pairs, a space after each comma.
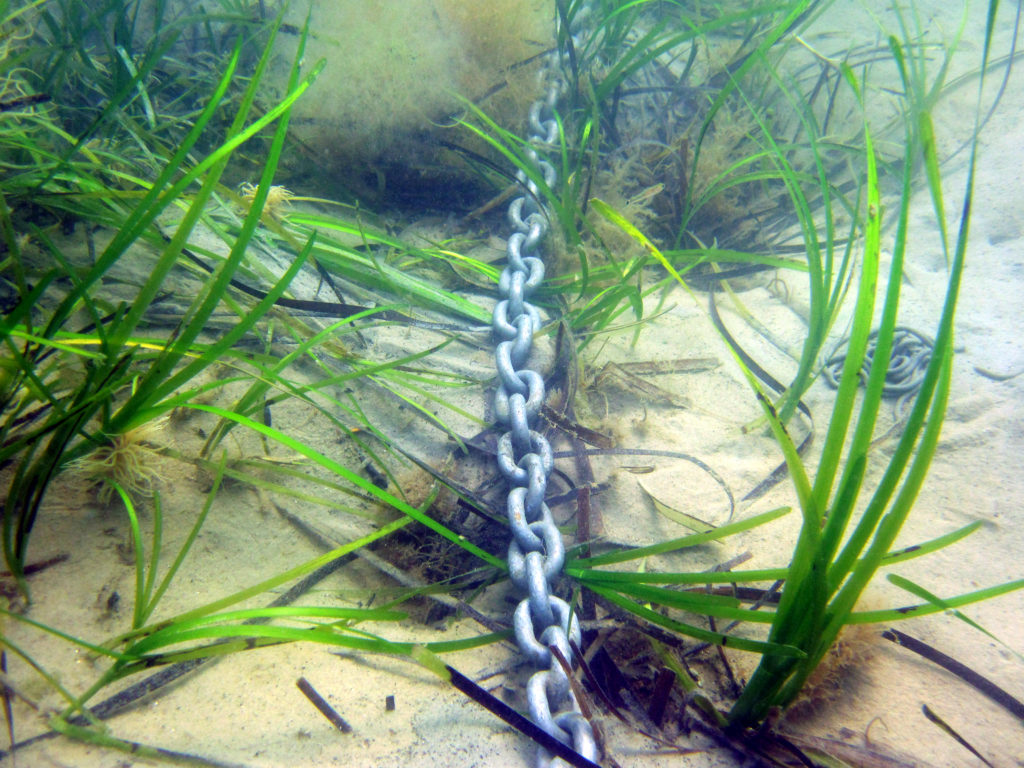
{"points": [[536, 553]]}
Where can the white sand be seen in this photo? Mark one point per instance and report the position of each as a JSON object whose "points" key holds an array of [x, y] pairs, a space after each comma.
{"points": [[246, 709]]}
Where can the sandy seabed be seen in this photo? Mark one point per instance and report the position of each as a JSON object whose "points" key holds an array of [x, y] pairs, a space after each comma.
{"points": [[246, 709]]}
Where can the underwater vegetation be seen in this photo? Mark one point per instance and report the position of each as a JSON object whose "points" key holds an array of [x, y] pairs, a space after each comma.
{"points": [[172, 290], [127, 460]]}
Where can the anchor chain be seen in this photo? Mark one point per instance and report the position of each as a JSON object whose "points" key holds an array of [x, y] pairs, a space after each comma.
{"points": [[536, 553]]}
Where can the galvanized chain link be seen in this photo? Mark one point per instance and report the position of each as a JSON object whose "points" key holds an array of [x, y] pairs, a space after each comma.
{"points": [[536, 554]]}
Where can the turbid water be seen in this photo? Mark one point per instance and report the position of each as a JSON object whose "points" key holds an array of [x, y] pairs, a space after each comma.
{"points": [[640, 392]]}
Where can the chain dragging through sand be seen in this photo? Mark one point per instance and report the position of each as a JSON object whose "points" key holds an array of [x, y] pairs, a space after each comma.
{"points": [[536, 554]]}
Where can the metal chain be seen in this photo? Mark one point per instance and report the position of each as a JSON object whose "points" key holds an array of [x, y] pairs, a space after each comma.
{"points": [[536, 554]]}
